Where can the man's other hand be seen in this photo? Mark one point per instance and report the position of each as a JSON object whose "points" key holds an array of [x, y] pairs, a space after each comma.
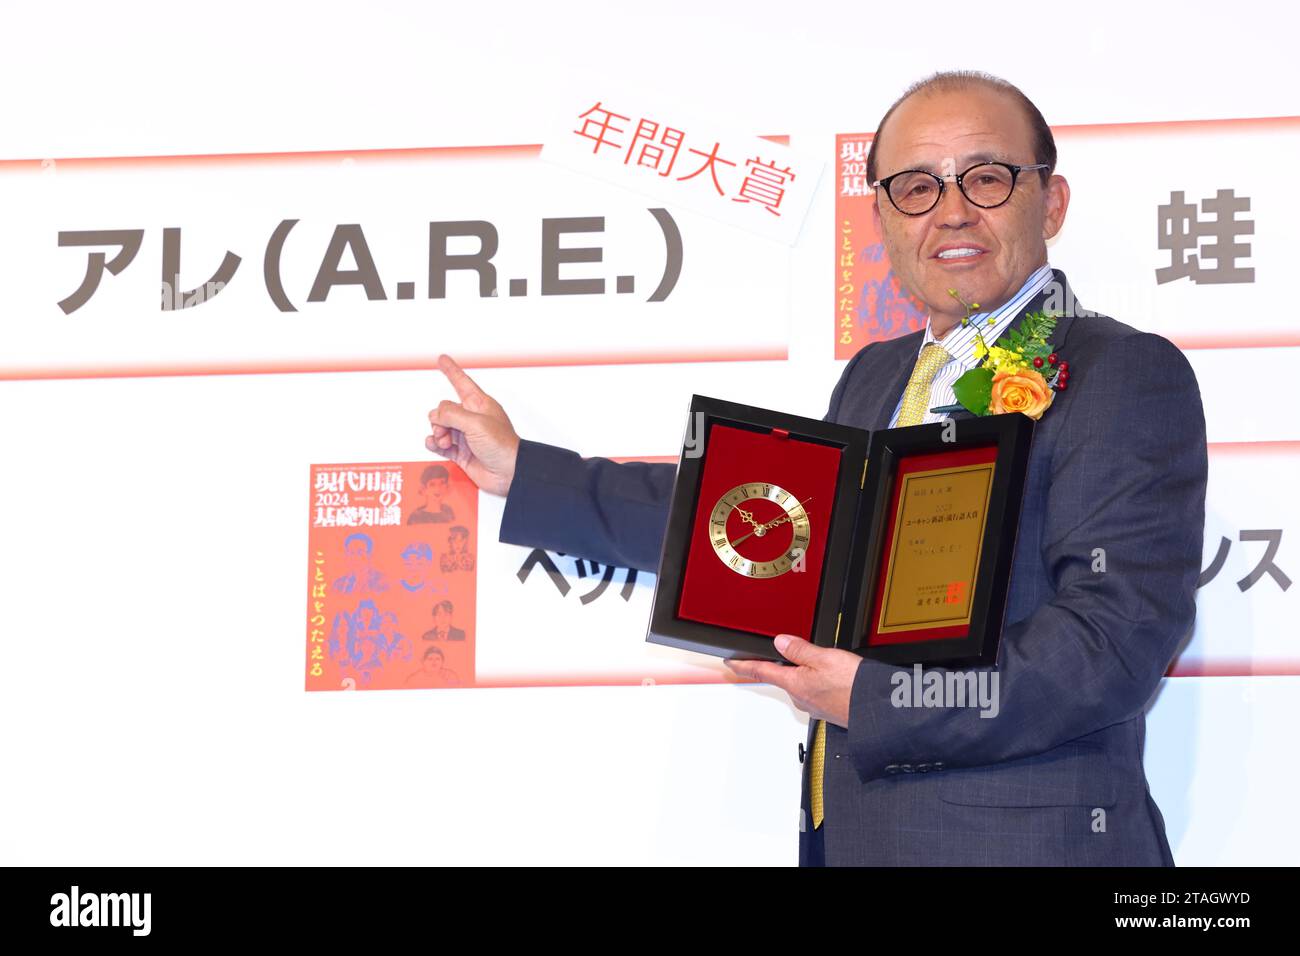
{"points": [[475, 432], [820, 683]]}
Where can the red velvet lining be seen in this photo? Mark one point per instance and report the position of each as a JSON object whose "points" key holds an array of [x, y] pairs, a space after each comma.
{"points": [[712, 593]]}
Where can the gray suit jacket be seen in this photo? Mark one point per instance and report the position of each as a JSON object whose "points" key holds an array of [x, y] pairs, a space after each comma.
{"points": [[1118, 463]]}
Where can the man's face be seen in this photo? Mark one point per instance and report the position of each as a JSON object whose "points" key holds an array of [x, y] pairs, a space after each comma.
{"points": [[946, 133], [441, 619], [357, 555], [417, 565], [435, 489]]}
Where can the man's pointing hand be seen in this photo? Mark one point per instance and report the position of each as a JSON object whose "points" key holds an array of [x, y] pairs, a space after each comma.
{"points": [[475, 432]]}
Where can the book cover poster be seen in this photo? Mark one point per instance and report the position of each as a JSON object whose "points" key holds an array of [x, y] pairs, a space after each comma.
{"points": [[391, 576]]}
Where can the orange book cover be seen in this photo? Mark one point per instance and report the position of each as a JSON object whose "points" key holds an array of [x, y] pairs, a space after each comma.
{"points": [[391, 576], [870, 303]]}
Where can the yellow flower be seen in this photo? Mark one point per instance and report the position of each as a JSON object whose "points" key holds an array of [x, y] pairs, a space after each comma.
{"points": [[1001, 359]]}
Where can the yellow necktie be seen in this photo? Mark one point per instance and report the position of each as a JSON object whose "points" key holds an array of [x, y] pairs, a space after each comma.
{"points": [[916, 397], [916, 401]]}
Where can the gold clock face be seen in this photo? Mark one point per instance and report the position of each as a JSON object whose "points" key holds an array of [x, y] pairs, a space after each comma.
{"points": [[748, 547]]}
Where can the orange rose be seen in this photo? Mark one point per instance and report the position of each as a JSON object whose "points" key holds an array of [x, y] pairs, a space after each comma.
{"points": [[1023, 390]]}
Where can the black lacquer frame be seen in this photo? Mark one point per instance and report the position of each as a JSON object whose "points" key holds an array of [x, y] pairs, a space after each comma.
{"points": [[1012, 434], [665, 626]]}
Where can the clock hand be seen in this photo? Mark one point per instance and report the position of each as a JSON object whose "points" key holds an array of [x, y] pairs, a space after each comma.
{"points": [[773, 523], [782, 519]]}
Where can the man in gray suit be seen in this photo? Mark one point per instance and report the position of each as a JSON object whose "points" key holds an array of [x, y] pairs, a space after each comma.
{"points": [[1108, 552]]}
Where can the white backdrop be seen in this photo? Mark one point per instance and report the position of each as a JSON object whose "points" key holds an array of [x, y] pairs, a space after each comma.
{"points": [[152, 579]]}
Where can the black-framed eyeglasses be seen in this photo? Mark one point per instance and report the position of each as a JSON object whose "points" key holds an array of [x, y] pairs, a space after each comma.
{"points": [[915, 192]]}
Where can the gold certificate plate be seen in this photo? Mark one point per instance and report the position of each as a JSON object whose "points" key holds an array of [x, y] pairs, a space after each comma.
{"points": [[934, 560]]}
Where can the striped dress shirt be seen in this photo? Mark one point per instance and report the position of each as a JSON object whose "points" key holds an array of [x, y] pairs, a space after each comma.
{"points": [[959, 342]]}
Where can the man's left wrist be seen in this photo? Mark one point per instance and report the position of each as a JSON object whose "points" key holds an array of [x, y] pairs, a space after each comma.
{"points": [[863, 728]]}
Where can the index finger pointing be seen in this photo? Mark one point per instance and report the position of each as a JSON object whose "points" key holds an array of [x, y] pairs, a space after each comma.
{"points": [[462, 383]]}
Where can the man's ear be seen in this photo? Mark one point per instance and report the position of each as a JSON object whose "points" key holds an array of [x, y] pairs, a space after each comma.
{"points": [[875, 212], [1056, 200]]}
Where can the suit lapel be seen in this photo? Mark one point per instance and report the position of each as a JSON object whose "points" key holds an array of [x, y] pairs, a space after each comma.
{"points": [[902, 371], [1066, 303], [1058, 297]]}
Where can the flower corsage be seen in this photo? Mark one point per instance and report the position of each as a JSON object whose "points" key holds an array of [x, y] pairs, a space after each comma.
{"points": [[1021, 373]]}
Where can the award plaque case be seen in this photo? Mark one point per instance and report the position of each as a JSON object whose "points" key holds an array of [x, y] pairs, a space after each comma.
{"points": [[896, 545]]}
